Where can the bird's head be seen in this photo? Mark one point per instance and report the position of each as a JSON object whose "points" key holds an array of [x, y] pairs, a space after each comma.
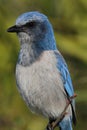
{"points": [[34, 27]]}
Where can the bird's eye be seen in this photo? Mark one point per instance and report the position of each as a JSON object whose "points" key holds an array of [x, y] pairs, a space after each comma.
{"points": [[31, 24]]}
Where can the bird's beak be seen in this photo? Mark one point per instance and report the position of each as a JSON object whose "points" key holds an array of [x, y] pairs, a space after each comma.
{"points": [[13, 29]]}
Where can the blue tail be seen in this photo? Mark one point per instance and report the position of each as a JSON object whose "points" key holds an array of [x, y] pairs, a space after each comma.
{"points": [[66, 124]]}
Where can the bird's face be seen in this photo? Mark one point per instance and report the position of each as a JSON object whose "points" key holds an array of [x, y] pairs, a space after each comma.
{"points": [[34, 27], [31, 26]]}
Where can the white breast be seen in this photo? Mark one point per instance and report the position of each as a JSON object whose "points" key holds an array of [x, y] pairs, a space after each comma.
{"points": [[41, 86]]}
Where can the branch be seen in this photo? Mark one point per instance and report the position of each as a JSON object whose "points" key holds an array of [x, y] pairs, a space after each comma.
{"points": [[54, 123]]}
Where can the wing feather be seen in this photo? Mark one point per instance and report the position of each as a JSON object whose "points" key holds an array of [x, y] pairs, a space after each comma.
{"points": [[65, 75]]}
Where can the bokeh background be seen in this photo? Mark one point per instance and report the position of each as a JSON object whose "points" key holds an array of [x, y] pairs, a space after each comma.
{"points": [[69, 20]]}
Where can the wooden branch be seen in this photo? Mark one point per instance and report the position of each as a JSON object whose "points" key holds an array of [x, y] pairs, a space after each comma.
{"points": [[54, 123]]}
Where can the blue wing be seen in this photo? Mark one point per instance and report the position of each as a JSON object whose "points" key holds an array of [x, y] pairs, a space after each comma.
{"points": [[63, 69]]}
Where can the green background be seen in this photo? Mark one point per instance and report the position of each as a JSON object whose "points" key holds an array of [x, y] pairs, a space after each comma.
{"points": [[69, 20]]}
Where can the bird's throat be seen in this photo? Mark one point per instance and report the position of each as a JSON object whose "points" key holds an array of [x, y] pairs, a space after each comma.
{"points": [[28, 54]]}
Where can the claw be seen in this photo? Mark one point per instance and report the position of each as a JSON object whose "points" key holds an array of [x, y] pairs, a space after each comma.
{"points": [[49, 127]]}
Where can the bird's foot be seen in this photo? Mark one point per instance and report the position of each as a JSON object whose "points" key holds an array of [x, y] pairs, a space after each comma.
{"points": [[49, 127]]}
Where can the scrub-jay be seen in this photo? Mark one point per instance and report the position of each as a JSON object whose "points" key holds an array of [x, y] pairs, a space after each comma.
{"points": [[42, 74]]}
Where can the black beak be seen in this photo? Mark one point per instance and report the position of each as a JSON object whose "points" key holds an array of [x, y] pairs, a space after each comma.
{"points": [[14, 29]]}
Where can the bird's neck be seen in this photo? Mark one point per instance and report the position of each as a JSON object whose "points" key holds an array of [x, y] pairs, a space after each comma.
{"points": [[28, 54], [30, 51]]}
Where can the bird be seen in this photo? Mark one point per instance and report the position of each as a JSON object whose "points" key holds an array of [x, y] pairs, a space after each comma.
{"points": [[42, 74]]}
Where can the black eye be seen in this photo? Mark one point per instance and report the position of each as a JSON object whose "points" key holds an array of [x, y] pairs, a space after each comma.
{"points": [[31, 24]]}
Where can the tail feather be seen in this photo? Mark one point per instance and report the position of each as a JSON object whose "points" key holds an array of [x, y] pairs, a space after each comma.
{"points": [[65, 124], [74, 115]]}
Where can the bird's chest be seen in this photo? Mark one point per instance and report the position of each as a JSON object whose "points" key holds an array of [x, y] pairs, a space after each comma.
{"points": [[35, 82], [34, 77]]}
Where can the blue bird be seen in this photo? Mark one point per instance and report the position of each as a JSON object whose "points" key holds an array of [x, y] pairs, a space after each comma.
{"points": [[42, 74]]}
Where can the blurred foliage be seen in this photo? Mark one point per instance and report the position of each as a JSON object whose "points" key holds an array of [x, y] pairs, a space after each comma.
{"points": [[69, 19]]}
